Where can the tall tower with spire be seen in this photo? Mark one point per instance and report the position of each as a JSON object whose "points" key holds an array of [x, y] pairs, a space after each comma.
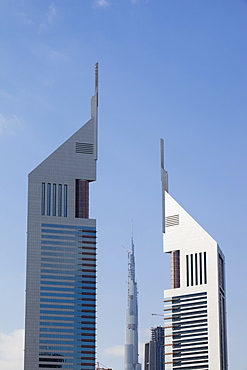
{"points": [[60, 327], [195, 306], [131, 345]]}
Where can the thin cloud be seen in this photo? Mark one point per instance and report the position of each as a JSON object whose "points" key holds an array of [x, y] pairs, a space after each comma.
{"points": [[139, 1], [5, 95], [24, 17], [101, 3], [11, 350], [51, 15], [57, 55], [9, 125], [115, 351]]}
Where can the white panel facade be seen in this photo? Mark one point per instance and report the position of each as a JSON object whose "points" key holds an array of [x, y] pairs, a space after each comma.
{"points": [[195, 317]]}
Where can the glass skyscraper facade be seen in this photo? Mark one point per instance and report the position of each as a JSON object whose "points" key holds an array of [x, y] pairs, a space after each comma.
{"points": [[154, 350], [60, 327]]}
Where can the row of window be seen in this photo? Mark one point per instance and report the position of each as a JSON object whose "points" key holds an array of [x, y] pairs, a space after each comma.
{"points": [[199, 367], [188, 351], [189, 324], [67, 283], [186, 333], [191, 360], [48, 359], [66, 336], [57, 277], [188, 297], [48, 330], [183, 308], [87, 229], [63, 272], [63, 259], [87, 284], [57, 312], [191, 304], [54, 200], [59, 300], [68, 367], [61, 237], [67, 354], [196, 269], [53, 325], [65, 255], [51, 242]]}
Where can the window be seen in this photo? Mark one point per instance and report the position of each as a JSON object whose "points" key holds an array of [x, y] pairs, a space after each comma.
{"points": [[48, 199], [175, 269], [43, 199], [54, 199], [81, 199], [187, 269], [191, 269], [200, 262], [205, 268], [196, 269], [60, 200], [65, 199]]}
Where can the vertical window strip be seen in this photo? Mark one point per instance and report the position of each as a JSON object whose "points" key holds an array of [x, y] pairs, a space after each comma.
{"points": [[59, 200], [223, 335], [196, 269], [175, 269], [205, 268], [43, 199], [48, 199], [200, 262], [81, 199], [187, 269], [221, 273], [191, 269], [54, 199], [65, 200]]}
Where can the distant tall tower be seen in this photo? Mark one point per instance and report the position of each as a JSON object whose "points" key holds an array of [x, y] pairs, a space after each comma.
{"points": [[60, 327], [131, 346], [195, 309], [154, 350]]}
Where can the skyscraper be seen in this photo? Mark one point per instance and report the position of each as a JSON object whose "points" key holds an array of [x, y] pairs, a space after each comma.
{"points": [[131, 345], [61, 255], [195, 310], [154, 350]]}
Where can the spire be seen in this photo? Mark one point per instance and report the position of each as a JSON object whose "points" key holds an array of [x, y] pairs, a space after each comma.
{"points": [[94, 109], [132, 237], [131, 344], [164, 180], [94, 100], [164, 174], [132, 261], [96, 77]]}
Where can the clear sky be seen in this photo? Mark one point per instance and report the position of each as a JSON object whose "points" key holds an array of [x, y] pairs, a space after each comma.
{"points": [[174, 69]]}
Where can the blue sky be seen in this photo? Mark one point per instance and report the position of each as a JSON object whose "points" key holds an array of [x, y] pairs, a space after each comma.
{"points": [[171, 69]]}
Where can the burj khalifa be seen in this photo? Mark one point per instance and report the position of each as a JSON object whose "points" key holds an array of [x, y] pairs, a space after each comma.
{"points": [[131, 345]]}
